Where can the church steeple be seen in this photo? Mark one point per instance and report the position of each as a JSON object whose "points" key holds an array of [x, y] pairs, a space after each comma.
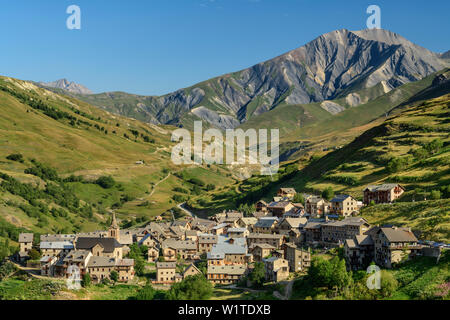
{"points": [[114, 230]]}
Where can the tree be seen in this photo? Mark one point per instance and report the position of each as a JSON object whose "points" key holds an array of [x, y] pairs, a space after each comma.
{"points": [[106, 182], [435, 194], [434, 146], [146, 293], [114, 276], [329, 273], [328, 193], [86, 281], [298, 198], [34, 254], [388, 283], [258, 275], [15, 157], [191, 288]]}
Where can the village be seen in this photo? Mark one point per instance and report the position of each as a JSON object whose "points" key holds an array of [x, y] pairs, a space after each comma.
{"points": [[281, 234]]}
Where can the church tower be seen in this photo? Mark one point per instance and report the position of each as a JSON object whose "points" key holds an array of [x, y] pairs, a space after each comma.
{"points": [[114, 230]]}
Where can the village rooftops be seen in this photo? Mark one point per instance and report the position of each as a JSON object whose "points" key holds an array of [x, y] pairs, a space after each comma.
{"points": [[364, 240], [262, 246], [166, 265], [108, 244], [179, 245], [227, 269], [381, 187], [398, 235], [237, 230], [264, 236], [76, 256], [25, 237], [340, 198], [57, 245], [220, 226], [57, 237], [279, 204], [101, 262], [266, 222]]}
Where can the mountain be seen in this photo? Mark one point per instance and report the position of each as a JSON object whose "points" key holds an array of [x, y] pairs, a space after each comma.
{"points": [[338, 64], [54, 148], [66, 85]]}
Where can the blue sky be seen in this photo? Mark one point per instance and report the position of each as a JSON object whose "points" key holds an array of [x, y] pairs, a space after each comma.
{"points": [[154, 47]]}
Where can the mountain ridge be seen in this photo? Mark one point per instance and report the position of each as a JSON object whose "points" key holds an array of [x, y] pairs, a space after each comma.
{"points": [[333, 65]]}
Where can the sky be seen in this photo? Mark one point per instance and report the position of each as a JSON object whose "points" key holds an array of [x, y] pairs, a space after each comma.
{"points": [[153, 47]]}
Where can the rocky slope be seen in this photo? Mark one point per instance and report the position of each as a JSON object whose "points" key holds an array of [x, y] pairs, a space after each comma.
{"points": [[66, 85], [334, 65]]}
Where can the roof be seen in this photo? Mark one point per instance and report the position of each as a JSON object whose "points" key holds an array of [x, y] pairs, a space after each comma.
{"points": [[398, 235], [340, 198], [262, 202], [364, 240], [77, 255], [101, 262], [63, 245], [191, 266], [350, 243], [266, 222], [180, 244], [249, 220], [166, 265], [237, 230], [26, 237], [279, 204], [108, 244], [191, 233], [220, 226], [227, 269], [264, 236], [315, 199], [261, 245], [348, 221], [294, 222], [57, 237], [382, 187], [226, 248]]}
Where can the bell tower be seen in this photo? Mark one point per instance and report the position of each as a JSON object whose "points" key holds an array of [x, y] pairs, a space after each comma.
{"points": [[114, 230]]}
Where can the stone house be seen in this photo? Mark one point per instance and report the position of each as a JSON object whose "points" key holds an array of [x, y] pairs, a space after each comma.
{"points": [[344, 205], [206, 242], [274, 240], [166, 272], [261, 251], [286, 193], [100, 247], [265, 225], [276, 269], [299, 259], [278, 209]]}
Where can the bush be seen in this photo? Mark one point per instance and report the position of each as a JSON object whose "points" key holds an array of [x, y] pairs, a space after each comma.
{"points": [[86, 281], [192, 288], [257, 276], [146, 293], [15, 157], [328, 193], [106, 182], [114, 276], [435, 195], [34, 254]]}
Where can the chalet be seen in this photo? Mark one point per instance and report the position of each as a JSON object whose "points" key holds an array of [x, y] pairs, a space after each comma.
{"points": [[177, 249], [344, 205], [385, 193], [25, 242], [394, 244], [152, 254]]}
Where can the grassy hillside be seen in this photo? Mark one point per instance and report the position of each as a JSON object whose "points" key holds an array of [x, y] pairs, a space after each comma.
{"points": [[53, 144]]}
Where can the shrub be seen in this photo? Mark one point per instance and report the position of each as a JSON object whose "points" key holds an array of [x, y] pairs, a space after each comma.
{"points": [[15, 157], [192, 288], [146, 293], [34, 254], [435, 195], [106, 182], [86, 281]]}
